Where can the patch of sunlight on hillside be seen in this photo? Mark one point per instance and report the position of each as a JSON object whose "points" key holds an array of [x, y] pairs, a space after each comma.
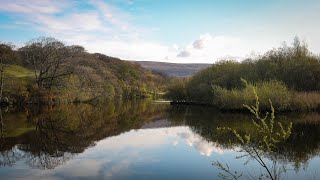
{"points": [[17, 71]]}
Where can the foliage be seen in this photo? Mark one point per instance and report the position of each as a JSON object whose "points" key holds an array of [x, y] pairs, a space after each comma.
{"points": [[274, 90], [7, 56], [176, 90], [45, 137], [100, 76], [279, 72], [16, 83], [50, 72], [46, 56], [261, 146], [297, 151]]}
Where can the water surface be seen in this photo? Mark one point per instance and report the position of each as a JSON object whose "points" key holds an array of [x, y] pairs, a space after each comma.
{"points": [[143, 140]]}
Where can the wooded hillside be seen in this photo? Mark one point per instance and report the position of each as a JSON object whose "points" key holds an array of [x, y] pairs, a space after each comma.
{"points": [[51, 72]]}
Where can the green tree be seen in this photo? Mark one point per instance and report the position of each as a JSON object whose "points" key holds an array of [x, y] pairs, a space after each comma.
{"points": [[7, 57], [176, 90], [110, 93], [46, 56]]}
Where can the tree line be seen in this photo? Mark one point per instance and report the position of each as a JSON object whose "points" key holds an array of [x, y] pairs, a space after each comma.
{"points": [[56, 72], [291, 69]]}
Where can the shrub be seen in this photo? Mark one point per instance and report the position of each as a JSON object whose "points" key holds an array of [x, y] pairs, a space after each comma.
{"points": [[177, 91], [277, 92], [228, 99], [233, 99], [293, 67]]}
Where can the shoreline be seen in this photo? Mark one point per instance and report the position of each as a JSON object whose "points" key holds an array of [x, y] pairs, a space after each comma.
{"points": [[242, 110]]}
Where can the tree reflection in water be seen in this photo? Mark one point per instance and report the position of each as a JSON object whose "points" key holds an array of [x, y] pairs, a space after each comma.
{"points": [[7, 155], [296, 151], [58, 133], [45, 138]]}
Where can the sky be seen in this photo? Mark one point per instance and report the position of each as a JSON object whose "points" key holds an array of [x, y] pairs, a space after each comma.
{"points": [[179, 31]]}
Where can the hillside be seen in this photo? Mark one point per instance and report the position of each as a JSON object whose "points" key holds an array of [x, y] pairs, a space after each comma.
{"points": [[93, 76], [172, 69]]}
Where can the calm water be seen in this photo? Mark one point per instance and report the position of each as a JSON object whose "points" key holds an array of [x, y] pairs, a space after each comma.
{"points": [[142, 140]]}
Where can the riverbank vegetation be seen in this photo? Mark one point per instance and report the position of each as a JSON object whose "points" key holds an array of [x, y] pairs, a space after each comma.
{"points": [[300, 147], [289, 76], [270, 134], [46, 71]]}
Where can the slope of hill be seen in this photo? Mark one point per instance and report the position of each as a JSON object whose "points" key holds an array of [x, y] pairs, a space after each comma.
{"points": [[172, 69], [93, 76], [97, 75], [46, 71]]}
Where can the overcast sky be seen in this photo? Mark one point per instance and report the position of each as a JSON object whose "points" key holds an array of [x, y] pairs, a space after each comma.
{"points": [[184, 31]]}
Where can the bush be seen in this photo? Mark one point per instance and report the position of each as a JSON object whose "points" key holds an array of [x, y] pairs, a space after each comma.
{"points": [[234, 99], [277, 92], [287, 67], [177, 91], [228, 99]]}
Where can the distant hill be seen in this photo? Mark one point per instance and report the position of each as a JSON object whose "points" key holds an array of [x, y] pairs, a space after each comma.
{"points": [[172, 69]]}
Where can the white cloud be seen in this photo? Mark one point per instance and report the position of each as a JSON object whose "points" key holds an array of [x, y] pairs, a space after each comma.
{"points": [[112, 14], [202, 146], [184, 53], [129, 50], [116, 155], [210, 48], [153, 138], [201, 42], [82, 167], [107, 29], [73, 23], [33, 6], [214, 48], [198, 44]]}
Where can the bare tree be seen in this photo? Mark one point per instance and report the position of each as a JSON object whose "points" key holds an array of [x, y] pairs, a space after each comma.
{"points": [[7, 56], [46, 57]]}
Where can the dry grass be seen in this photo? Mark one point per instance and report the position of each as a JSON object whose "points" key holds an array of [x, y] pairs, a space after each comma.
{"points": [[306, 101]]}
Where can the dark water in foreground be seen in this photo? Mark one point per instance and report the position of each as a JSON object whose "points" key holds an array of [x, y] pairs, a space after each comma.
{"points": [[143, 140]]}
